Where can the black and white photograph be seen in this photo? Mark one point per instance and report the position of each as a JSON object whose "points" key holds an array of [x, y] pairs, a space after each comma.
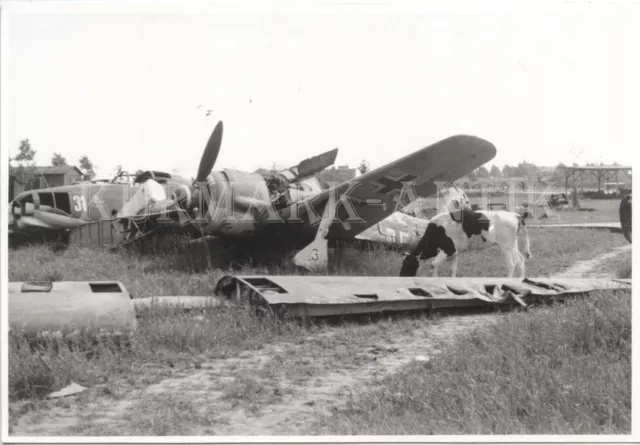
{"points": [[365, 220]]}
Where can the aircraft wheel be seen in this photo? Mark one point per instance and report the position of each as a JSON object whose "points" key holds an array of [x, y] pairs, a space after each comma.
{"points": [[625, 217]]}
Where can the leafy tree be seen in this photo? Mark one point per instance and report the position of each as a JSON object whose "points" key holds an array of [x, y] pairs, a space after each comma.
{"points": [[25, 158], [87, 167], [495, 172], [482, 172], [26, 154], [507, 171], [117, 171], [363, 167], [527, 169], [472, 176], [57, 160]]}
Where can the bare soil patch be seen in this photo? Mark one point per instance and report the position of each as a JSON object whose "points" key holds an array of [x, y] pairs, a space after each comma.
{"points": [[261, 382], [592, 267], [278, 390]]}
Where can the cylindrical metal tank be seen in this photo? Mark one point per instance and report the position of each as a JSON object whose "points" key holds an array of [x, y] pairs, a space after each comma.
{"points": [[64, 307]]}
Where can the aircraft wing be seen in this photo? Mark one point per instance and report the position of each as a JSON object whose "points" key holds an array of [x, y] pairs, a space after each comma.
{"points": [[372, 197]]}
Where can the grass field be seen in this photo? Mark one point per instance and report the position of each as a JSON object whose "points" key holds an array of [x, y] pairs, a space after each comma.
{"points": [[592, 210], [170, 344], [561, 370], [171, 274], [619, 266]]}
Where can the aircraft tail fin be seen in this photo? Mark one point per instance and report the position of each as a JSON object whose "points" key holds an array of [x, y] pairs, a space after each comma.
{"points": [[314, 257]]}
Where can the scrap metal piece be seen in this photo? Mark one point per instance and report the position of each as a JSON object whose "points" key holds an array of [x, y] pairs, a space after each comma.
{"points": [[316, 296], [98, 234], [69, 390], [611, 226], [183, 302], [67, 307]]}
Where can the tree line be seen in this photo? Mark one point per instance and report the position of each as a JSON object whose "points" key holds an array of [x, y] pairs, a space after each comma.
{"points": [[523, 170], [26, 158], [26, 155]]}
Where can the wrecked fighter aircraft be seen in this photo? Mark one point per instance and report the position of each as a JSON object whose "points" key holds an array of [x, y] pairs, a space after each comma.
{"points": [[245, 211]]}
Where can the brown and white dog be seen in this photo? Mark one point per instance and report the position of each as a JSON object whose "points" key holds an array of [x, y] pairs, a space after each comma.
{"points": [[449, 233]]}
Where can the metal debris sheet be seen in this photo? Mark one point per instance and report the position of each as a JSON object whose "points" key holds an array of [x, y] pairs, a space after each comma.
{"points": [[336, 295]]}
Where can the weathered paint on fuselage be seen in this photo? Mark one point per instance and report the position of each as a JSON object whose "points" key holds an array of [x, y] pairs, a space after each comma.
{"points": [[239, 204], [398, 230], [85, 202]]}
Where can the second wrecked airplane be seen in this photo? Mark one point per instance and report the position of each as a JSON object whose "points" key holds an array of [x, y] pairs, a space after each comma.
{"points": [[250, 211]]}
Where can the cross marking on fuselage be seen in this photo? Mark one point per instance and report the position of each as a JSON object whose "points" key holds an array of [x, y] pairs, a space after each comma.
{"points": [[387, 184]]}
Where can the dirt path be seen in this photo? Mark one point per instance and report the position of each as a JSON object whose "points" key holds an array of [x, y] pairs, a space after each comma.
{"points": [[281, 389], [251, 395], [584, 268]]}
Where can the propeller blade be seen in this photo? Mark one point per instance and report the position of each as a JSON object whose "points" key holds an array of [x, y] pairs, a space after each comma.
{"points": [[210, 153]]}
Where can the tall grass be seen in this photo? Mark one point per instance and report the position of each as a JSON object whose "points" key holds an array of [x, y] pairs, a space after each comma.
{"points": [[619, 266], [176, 272], [560, 370], [175, 337], [166, 338]]}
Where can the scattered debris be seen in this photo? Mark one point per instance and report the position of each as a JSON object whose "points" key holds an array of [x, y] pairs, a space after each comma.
{"points": [[376, 349], [182, 301], [69, 390]]}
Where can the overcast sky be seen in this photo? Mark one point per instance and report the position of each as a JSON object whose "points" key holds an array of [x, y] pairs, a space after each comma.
{"points": [[546, 82]]}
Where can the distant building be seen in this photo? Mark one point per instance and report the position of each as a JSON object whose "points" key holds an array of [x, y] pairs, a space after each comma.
{"points": [[338, 174], [28, 178], [16, 186]]}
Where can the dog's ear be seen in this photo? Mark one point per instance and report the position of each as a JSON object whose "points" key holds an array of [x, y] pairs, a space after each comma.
{"points": [[410, 266]]}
